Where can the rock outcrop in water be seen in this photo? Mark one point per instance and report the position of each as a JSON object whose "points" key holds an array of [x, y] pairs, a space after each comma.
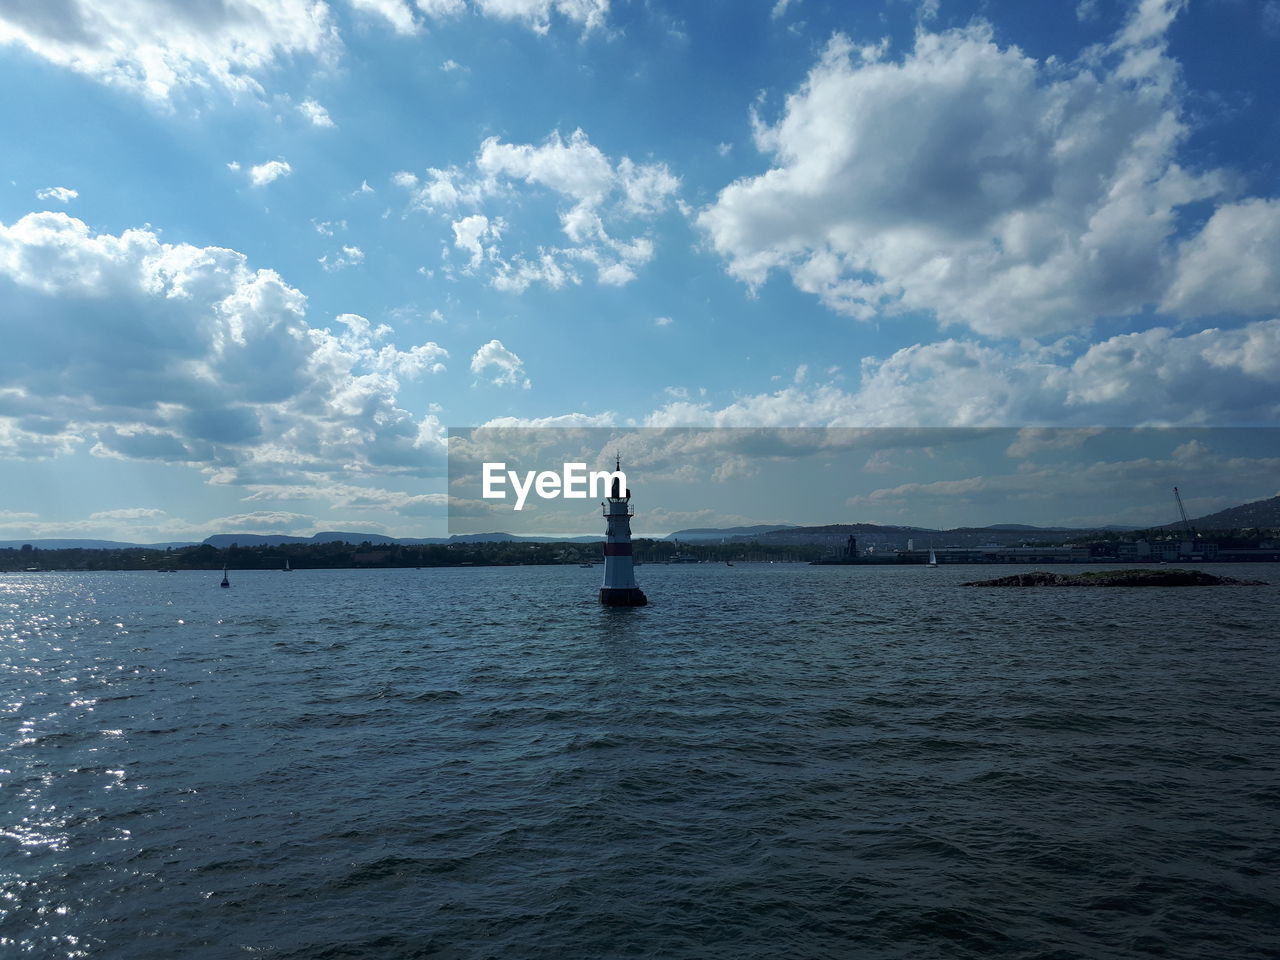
{"points": [[1115, 578]]}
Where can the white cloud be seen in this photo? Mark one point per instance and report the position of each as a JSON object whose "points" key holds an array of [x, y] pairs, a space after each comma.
{"points": [[441, 8], [1232, 265], [346, 496], [128, 513], [469, 234], [161, 48], [263, 521], [577, 169], [1212, 377], [317, 114], [562, 421], [1031, 440], [509, 367], [663, 321], [780, 9], [517, 274], [1013, 196], [396, 12], [187, 354], [534, 14], [61, 194], [157, 47], [265, 173], [604, 197], [1086, 493], [348, 257]]}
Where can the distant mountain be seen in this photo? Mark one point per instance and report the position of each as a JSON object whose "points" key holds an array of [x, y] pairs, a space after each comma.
{"points": [[726, 533], [1259, 513], [330, 536], [91, 545], [223, 540]]}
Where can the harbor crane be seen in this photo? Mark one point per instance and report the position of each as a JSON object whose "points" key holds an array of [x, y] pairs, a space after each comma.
{"points": [[1186, 524]]}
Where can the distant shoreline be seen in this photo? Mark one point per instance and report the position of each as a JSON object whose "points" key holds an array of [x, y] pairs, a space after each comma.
{"points": [[469, 564]]}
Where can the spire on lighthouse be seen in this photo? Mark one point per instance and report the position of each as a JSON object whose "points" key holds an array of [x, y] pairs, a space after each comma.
{"points": [[619, 588]]}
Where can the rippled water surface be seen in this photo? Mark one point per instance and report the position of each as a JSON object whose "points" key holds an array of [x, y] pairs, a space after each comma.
{"points": [[768, 761]]}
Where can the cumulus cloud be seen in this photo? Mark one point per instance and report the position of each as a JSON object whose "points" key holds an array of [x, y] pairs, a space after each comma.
{"points": [[600, 198], [537, 15], [1155, 377], [1031, 440], [1087, 492], [61, 194], [1232, 265], [509, 368], [567, 421], [316, 113], [142, 349], [469, 234], [346, 496], [157, 47], [161, 48], [1013, 196], [268, 172], [397, 13], [263, 521], [128, 513]]}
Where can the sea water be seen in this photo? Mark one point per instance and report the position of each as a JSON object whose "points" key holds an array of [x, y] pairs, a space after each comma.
{"points": [[770, 760]]}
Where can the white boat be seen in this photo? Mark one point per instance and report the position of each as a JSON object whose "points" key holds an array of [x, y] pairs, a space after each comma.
{"points": [[287, 568], [933, 558]]}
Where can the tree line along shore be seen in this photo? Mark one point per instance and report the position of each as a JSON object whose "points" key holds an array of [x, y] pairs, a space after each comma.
{"points": [[341, 555], [345, 555]]}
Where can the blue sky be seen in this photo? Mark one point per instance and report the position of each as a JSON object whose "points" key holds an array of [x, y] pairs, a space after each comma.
{"points": [[256, 257]]}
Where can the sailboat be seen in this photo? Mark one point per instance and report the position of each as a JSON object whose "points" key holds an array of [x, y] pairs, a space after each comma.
{"points": [[225, 581], [933, 558], [287, 568]]}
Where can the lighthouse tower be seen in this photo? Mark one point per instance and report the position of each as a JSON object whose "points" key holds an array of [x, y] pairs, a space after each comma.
{"points": [[619, 588]]}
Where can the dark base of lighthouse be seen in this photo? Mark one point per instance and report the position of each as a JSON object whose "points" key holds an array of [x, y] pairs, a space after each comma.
{"points": [[623, 597]]}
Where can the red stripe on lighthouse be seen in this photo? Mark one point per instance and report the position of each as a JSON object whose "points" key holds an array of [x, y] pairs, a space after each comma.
{"points": [[617, 549]]}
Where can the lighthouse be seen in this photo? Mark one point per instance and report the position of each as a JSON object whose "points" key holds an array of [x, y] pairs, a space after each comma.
{"points": [[619, 588]]}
